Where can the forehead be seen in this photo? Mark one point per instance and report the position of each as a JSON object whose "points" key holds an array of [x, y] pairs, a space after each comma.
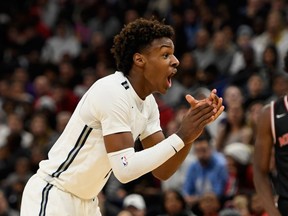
{"points": [[159, 43]]}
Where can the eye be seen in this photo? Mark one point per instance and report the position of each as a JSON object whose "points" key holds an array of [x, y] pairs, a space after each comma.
{"points": [[166, 55]]}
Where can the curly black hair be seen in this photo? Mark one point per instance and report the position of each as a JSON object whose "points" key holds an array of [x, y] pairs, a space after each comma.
{"points": [[135, 37]]}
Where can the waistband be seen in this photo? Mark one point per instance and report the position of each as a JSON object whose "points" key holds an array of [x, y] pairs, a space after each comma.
{"points": [[49, 179]]}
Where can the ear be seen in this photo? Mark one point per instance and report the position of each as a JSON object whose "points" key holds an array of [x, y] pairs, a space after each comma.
{"points": [[138, 59]]}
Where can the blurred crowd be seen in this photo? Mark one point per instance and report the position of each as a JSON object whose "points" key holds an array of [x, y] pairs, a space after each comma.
{"points": [[52, 51]]}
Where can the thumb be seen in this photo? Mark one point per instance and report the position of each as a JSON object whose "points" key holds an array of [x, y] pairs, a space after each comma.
{"points": [[191, 100]]}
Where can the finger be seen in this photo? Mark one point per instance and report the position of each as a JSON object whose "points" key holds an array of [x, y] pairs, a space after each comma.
{"points": [[219, 102], [212, 118], [216, 99], [203, 114], [220, 108], [201, 109], [219, 112], [196, 103], [208, 119], [213, 95], [205, 122], [208, 114], [191, 100]]}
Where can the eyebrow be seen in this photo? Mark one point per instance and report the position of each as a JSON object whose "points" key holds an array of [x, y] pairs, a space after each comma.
{"points": [[165, 45]]}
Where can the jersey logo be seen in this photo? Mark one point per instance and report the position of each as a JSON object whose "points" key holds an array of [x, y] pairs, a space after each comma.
{"points": [[124, 160], [125, 84], [283, 140], [280, 115]]}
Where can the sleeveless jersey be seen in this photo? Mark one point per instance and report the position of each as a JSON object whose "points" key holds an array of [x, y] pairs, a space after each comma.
{"points": [[279, 121], [78, 161]]}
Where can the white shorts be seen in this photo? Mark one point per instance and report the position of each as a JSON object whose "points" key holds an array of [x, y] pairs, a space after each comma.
{"points": [[43, 199]]}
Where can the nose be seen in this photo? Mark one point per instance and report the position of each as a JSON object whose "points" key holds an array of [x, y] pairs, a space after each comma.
{"points": [[175, 61]]}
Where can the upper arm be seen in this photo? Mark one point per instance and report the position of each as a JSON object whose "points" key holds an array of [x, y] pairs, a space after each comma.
{"points": [[264, 142], [118, 141], [153, 122], [153, 139]]}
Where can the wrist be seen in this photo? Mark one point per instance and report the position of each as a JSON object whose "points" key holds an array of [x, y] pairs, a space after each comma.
{"points": [[176, 142]]}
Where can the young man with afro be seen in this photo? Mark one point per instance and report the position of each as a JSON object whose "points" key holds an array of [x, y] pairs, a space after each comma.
{"points": [[118, 109]]}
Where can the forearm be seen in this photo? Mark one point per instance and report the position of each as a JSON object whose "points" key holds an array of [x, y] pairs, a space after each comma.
{"points": [[264, 189], [128, 165], [168, 168]]}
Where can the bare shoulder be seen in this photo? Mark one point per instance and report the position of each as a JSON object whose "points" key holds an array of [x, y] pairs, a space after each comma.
{"points": [[265, 113], [263, 130]]}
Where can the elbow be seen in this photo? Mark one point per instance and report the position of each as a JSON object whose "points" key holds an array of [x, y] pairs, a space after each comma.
{"points": [[161, 176], [125, 177], [122, 178]]}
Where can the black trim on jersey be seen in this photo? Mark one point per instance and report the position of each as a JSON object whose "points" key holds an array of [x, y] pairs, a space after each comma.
{"points": [[108, 173], [125, 84], [174, 149], [72, 154], [44, 201]]}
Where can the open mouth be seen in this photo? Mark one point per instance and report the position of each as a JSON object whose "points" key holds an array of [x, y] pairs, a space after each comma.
{"points": [[169, 79]]}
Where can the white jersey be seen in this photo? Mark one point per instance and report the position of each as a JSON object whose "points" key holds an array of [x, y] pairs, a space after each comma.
{"points": [[78, 161]]}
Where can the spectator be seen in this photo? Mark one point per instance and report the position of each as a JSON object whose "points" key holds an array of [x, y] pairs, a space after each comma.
{"points": [[5, 209], [63, 44], [221, 53], [234, 128], [202, 47], [43, 134], [22, 172], [279, 86], [238, 156], [207, 174], [88, 78], [68, 75], [241, 77], [209, 204], [233, 94], [270, 65], [63, 98], [174, 204], [104, 22], [255, 89], [241, 203], [62, 119], [243, 39], [276, 33], [16, 124], [191, 26], [135, 204], [124, 213]]}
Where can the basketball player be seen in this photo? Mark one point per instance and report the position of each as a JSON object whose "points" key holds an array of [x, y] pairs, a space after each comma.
{"points": [[272, 132], [114, 112]]}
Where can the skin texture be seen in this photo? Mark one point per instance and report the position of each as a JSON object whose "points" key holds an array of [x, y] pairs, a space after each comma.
{"points": [[151, 71], [262, 157]]}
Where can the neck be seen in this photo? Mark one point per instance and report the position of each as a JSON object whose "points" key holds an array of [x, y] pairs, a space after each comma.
{"points": [[138, 86]]}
